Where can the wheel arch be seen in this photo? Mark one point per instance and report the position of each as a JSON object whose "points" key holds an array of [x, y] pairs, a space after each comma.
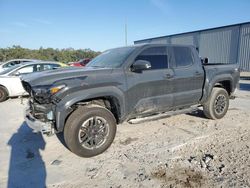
{"points": [[110, 98], [6, 89], [223, 81], [225, 84], [110, 102]]}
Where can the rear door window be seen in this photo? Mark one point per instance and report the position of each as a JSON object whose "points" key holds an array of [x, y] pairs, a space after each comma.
{"points": [[183, 56], [157, 56], [50, 66], [43, 67]]}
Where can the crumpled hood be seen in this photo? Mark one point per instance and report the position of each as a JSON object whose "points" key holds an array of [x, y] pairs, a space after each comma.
{"points": [[58, 75]]}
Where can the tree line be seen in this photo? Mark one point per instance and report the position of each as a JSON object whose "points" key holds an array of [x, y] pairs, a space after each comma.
{"points": [[48, 54]]}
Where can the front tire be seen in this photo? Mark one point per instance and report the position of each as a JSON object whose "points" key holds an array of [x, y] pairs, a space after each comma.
{"points": [[3, 94], [217, 105], [90, 130]]}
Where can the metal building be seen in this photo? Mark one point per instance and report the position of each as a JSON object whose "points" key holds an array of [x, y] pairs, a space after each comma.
{"points": [[227, 44]]}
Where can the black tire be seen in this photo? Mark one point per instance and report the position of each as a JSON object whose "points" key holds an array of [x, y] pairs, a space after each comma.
{"points": [[217, 105], [3, 94], [89, 122]]}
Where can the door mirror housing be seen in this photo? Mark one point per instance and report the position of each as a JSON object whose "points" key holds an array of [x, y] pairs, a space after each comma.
{"points": [[204, 60], [17, 73], [140, 65]]}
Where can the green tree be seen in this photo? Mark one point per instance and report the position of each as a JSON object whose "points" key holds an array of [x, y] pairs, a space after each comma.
{"points": [[49, 54]]}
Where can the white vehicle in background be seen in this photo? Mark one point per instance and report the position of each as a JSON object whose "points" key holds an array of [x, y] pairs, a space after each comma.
{"points": [[6, 65], [10, 82]]}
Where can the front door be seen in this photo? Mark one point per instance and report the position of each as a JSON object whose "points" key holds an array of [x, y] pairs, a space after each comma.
{"points": [[151, 90]]}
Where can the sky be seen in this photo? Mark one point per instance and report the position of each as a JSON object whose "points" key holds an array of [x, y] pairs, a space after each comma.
{"points": [[100, 24]]}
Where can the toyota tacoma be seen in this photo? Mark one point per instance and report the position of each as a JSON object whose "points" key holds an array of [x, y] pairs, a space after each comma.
{"points": [[124, 84]]}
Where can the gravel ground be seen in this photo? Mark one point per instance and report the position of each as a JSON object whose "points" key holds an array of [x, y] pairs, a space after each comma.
{"points": [[181, 151]]}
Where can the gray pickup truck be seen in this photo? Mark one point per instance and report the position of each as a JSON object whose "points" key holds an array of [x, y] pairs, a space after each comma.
{"points": [[122, 84]]}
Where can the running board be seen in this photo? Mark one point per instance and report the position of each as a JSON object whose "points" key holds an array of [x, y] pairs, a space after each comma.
{"points": [[162, 115]]}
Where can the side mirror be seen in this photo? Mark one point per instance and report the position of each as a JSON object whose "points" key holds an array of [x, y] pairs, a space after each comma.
{"points": [[204, 60], [17, 73], [140, 65]]}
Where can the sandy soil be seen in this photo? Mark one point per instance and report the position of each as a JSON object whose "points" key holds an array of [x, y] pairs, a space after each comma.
{"points": [[181, 151]]}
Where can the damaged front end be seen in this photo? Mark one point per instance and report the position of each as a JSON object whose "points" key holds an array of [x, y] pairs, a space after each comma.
{"points": [[39, 114]]}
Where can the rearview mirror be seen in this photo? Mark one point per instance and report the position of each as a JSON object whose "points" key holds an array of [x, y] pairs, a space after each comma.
{"points": [[140, 65]]}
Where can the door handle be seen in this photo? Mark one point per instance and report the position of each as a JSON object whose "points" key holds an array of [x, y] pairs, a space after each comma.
{"points": [[197, 73], [168, 76]]}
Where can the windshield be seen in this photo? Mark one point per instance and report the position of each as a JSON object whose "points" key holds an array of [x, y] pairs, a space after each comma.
{"points": [[111, 58], [9, 69]]}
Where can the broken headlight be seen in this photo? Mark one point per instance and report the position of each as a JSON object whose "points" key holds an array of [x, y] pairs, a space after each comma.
{"points": [[41, 95], [55, 89]]}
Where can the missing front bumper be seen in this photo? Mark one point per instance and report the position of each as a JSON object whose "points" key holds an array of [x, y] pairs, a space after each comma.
{"points": [[37, 125]]}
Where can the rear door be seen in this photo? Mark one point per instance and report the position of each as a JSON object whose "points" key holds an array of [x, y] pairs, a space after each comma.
{"points": [[189, 76], [151, 90]]}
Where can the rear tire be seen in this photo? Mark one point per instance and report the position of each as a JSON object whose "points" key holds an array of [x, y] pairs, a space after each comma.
{"points": [[217, 105], [90, 130], [3, 94]]}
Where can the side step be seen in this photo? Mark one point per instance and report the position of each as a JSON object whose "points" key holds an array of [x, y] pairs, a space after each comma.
{"points": [[162, 115]]}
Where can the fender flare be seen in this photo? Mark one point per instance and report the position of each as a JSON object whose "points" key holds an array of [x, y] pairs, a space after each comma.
{"points": [[63, 108], [209, 85]]}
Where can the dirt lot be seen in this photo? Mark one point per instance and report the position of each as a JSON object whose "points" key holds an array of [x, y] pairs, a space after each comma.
{"points": [[182, 151]]}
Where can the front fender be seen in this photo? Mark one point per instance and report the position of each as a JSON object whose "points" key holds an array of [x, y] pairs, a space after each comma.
{"points": [[63, 107]]}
